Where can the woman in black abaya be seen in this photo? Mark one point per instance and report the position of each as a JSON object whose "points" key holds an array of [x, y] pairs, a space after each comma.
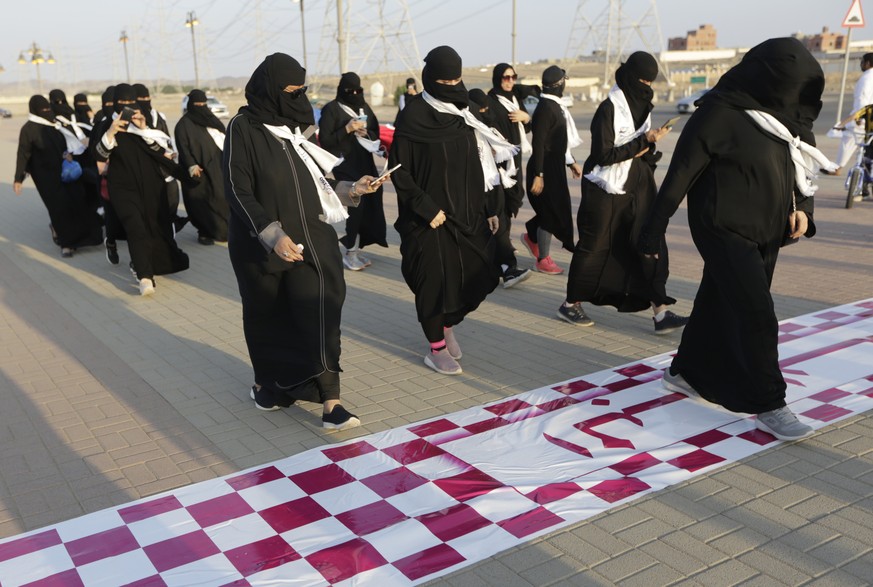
{"points": [[282, 248], [41, 150], [340, 129], [617, 192], [200, 140], [446, 217], [734, 162]]}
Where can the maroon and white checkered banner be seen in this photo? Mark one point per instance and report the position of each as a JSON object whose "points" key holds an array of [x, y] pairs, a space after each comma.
{"points": [[407, 505]]}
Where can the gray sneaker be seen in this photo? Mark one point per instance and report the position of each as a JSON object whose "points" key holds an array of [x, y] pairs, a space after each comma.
{"points": [[442, 362], [783, 424], [452, 344], [678, 384], [574, 315], [351, 261]]}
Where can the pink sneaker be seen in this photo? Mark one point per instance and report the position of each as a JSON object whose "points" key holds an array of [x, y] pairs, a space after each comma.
{"points": [[531, 246], [548, 266]]}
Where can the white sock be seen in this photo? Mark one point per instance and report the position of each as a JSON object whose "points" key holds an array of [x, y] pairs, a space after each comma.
{"points": [[660, 315]]}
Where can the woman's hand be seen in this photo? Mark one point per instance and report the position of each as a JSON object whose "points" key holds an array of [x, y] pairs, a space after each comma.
{"points": [[355, 125], [286, 249], [576, 171], [537, 187], [519, 116], [798, 223], [438, 220], [138, 120], [656, 134], [368, 184], [493, 224], [118, 125], [16, 187]]}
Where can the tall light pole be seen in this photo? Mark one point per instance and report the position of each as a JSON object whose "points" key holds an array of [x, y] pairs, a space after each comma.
{"points": [[36, 58], [191, 22], [123, 40], [514, 62], [341, 37], [302, 31]]}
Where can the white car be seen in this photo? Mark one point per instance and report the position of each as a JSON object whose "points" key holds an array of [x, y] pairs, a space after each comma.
{"points": [[218, 108], [686, 104]]}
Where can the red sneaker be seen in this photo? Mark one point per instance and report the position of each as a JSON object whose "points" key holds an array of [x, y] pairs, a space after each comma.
{"points": [[548, 266], [531, 246]]}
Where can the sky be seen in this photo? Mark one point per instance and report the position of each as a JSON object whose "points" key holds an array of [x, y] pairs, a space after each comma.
{"points": [[233, 36]]}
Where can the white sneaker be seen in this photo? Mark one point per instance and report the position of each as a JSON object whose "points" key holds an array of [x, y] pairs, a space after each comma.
{"points": [[678, 384], [783, 424], [146, 287], [351, 261], [365, 260]]}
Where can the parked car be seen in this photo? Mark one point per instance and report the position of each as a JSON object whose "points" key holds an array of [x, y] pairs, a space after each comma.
{"points": [[686, 104], [217, 107], [5, 113]]}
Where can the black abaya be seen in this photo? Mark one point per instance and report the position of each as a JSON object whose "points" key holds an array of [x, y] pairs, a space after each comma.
{"points": [[554, 213], [204, 197], [40, 153]]}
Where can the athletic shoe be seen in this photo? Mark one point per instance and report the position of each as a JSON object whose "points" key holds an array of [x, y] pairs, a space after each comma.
{"points": [[514, 276], [66, 252], [669, 323], [146, 287], [533, 247], [205, 240], [452, 344], [339, 419], [678, 384], [574, 315], [364, 260], [133, 271], [442, 362], [783, 424], [111, 251], [351, 261], [263, 401], [549, 267]]}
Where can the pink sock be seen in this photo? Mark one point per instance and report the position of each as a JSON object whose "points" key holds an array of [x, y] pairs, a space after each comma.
{"points": [[436, 347]]}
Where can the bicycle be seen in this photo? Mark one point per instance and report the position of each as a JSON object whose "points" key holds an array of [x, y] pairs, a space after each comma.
{"points": [[860, 175]]}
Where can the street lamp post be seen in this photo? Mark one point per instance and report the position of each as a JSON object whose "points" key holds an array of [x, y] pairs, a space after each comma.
{"points": [[302, 31], [123, 40], [191, 22], [36, 58]]}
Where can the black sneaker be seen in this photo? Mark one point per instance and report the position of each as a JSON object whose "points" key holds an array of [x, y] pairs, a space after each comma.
{"points": [[111, 251], [670, 322], [267, 401], [339, 419], [574, 315], [205, 240], [513, 276]]}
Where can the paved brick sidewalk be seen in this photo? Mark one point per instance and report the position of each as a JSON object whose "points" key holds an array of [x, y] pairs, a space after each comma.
{"points": [[108, 397]]}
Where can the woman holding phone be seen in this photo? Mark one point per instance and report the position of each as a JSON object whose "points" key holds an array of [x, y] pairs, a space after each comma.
{"points": [[618, 189]]}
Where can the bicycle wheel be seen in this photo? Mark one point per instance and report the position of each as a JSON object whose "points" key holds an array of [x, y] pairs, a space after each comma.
{"points": [[854, 187]]}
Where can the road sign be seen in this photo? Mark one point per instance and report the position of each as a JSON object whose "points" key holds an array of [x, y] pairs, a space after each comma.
{"points": [[855, 16], [698, 79]]}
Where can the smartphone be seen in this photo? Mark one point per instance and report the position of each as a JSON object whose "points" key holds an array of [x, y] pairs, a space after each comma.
{"points": [[384, 174], [671, 122], [127, 113]]}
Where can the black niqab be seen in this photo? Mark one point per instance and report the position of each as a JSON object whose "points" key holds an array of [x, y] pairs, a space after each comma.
{"points": [[144, 102], [554, 81], [350, 92], [268, 103], [779, 77], [108, 101], [59, 104], [126, 93], [202, 115], [80, 105], [639, 66], [444, 63], [39, 106], [421, 123]]}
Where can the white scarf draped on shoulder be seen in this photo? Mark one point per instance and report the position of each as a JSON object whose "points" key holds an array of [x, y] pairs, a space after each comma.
{"points": [[573, 138], [611, 178], [373, 146], [316, 159], [74, 145], [806, 158], [512, 106], [493, 148]]}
